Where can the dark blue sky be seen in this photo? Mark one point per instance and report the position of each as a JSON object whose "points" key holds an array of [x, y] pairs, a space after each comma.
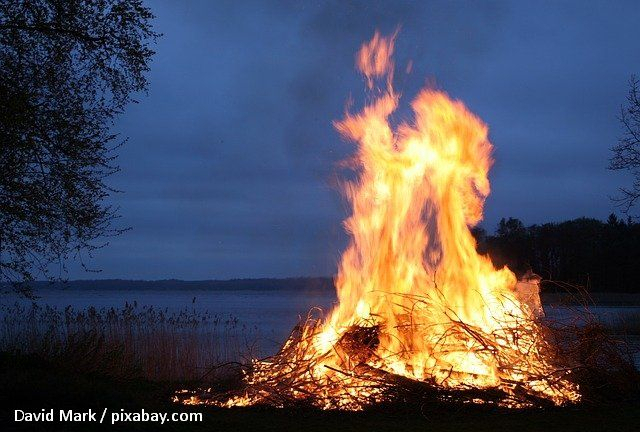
{"points": [[231, 163]]}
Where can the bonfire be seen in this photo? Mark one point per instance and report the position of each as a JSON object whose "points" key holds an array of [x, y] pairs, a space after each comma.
{"points": [[419, 311]]}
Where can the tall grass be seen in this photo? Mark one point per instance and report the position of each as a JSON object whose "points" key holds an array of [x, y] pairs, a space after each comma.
{"points": [[129, 342]]}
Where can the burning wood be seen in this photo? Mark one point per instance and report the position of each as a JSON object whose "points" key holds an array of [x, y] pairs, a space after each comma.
{"points": [[421, 314]]}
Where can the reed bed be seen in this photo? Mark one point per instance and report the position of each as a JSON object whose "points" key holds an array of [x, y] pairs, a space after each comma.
{"points": [[127, 342]]}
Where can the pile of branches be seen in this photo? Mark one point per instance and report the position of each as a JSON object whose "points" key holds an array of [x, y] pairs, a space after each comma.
{"points": [[585, 354]]}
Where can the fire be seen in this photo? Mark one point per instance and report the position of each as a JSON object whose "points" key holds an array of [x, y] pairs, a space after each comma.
{"points": [[416, 302]]}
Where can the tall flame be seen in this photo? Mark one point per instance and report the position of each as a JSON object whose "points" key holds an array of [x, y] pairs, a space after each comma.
{"points": [[412, 262], [415, 298]]}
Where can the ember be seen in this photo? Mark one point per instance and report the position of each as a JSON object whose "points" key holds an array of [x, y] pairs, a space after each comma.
{"points": [[420, 312]]}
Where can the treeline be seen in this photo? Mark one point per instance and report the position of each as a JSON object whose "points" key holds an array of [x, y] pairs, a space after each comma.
{"points": [[599, 256]]}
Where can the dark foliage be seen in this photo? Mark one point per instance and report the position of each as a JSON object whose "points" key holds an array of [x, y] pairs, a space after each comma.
{"points": [[68, 68], [626, 154], [600, 256]]}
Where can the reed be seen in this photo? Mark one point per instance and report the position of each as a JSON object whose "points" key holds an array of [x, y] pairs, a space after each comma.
{"points": [[132, 341]]}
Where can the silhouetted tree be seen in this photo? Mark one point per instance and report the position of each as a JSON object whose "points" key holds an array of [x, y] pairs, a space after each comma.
{"points": [[510, 245], [510, 228], [68, 68], [626, 153]]}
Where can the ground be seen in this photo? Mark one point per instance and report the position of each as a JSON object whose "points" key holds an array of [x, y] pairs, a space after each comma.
{"points": [[30, 383]]}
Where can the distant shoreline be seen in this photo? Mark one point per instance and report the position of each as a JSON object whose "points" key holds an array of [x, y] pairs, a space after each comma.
{"points": [[253, 284]]}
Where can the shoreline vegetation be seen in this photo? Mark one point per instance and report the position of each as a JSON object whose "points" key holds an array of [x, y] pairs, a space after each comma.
{"points": [[132, 341]]}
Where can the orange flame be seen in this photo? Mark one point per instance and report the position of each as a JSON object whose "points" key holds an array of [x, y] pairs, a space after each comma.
{"points": [[437, 310], [374, 59]]}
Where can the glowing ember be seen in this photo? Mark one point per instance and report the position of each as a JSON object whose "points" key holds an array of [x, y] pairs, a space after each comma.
{"points": [[418, 306]]}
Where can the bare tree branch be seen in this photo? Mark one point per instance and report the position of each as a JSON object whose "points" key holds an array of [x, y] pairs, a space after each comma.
{"points": [[626, 153]]}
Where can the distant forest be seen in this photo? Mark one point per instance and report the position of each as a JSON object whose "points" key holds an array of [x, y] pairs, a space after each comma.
{"points": [[599, 256]]}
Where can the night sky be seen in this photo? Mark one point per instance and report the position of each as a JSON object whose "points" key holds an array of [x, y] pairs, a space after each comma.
{"points": [[231, 162]]}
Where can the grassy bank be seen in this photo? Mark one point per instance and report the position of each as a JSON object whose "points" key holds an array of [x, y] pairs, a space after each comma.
{"points": [[32, 383]]}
